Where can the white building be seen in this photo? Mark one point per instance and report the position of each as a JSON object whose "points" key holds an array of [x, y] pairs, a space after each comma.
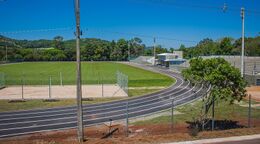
{"points": [[166, 59]]}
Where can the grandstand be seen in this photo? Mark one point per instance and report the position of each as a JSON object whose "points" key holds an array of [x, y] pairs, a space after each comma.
{"points": [[144, 60], [252, 64]]}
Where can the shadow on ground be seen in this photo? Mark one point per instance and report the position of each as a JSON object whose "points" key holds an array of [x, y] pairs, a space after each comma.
{"points": [[219, 125]]}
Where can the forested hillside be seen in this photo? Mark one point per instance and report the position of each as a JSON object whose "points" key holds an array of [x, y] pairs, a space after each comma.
{"points": [[93, 49]]}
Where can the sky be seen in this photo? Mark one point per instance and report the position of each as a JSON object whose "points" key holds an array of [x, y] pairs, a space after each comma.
{"points": [[172, 22]]}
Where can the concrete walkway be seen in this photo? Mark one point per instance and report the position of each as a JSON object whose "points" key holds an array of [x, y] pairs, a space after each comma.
{"points": [[249, 139]]}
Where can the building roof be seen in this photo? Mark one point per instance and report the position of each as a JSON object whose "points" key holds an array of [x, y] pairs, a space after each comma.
{"points": [[179, 59], [166, 54]]}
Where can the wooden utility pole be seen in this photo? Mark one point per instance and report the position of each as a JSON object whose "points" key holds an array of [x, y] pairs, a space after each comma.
{"points": [[79, 89]]}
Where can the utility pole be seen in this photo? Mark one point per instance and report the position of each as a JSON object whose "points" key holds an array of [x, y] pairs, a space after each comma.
{"points": [[154, 49], [79, 90], [6, 54], [129, 52], [243, 41]]}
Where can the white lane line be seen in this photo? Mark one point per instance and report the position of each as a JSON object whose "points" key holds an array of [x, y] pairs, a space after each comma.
{"points": [[17, 134], [103, 118]]}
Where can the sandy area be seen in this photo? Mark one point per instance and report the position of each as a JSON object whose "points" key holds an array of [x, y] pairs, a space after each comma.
{"points": [[61, 92], [255, 92]]}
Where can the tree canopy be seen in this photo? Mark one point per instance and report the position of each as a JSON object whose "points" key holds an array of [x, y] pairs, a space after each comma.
{"points": [[115, 50], [225, 80]]}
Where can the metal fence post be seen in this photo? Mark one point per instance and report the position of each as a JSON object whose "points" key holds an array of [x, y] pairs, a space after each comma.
{"points": [[61, 82], [213, 114], [249, 111], [22, 88], [50, 88], [172, 122], [127, 119], [102, 86], [127, 86]]}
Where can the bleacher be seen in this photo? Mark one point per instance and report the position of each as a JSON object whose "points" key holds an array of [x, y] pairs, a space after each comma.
{"points": [[251, 64], [143, 60]]}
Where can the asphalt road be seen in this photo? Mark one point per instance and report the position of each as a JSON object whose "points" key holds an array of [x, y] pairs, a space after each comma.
{"points": [[31, 121]]}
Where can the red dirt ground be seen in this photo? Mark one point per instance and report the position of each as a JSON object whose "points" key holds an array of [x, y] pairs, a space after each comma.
{"points": [[255, 92], [138, 134]]}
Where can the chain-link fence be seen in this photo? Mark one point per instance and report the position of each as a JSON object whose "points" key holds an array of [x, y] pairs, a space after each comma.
{"points": [[122, 81], [178, 116], [252, 79], [60, 86]]}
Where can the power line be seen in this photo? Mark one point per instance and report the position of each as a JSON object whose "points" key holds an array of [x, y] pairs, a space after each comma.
{"points": [[100, 31], [36, 30], [145, 36], [223, 7]]}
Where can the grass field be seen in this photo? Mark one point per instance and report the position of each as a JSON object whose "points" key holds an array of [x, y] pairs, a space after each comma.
{"points": [[38, 73]]}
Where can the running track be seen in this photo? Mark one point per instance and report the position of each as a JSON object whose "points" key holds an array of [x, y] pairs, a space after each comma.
{"points": [[31, 121]]}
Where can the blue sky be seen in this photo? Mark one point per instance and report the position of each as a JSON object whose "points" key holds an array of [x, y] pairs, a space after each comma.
{"points": [[109, 19]]}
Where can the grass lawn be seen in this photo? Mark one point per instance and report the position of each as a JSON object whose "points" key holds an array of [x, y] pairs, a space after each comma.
{"points": [[38, 73], [223, 110]]}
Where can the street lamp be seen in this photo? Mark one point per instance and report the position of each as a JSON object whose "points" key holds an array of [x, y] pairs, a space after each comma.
{"points": [[154, 49], [243, 41]]}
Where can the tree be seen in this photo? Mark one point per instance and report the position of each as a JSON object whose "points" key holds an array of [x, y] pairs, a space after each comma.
{"points": [[226, 46], [225, 80], [58, 42], [136, 47], [207, 47]]}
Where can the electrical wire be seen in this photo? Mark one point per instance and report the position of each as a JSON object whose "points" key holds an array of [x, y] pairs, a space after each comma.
{"points": [[36, 30], [224, 7], [144, 36]]}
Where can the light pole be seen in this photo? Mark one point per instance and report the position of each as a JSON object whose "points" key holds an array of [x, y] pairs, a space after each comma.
{"points": [[6, 54], [243, 41], [154, 49], [129, 50], [79, 90]]}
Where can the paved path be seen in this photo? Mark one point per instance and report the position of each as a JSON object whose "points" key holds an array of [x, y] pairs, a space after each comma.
{"points": [[249, 139], [31, 121]]}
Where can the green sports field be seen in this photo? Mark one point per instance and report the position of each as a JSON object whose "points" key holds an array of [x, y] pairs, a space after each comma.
{"points": [[39, 73]]}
